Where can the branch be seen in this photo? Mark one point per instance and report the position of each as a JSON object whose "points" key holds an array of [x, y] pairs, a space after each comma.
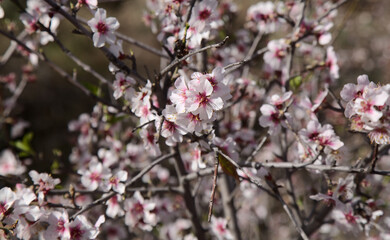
{"points": [[331, 10], [178, 61], [128, 184], [187, 195], [234, 66], [111, 57], [215, 178]]}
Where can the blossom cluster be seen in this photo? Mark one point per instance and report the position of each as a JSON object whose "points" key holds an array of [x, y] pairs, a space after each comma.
{"points": [[140, 159], [368, 108]]}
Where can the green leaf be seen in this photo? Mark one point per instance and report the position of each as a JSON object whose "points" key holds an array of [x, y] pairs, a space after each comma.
{"points": [[93, 88], [228, 167], [24, 145], [55, 166], [295, 83]]}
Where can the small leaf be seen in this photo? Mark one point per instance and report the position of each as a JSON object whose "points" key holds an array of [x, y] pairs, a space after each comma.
{"points": [[295, 82], [93, 88], [55, 166], [228, 167]]}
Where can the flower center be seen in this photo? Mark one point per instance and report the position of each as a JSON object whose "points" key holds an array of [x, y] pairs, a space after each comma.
{"points": [[102, 28], [204, 14], [203, 99]]}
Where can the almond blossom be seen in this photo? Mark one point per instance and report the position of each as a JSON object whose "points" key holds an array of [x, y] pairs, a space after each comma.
{"points": [[202, 99], [220, 229], [121, 83], [81, 228], [139, 213], [368, 108], [58, 226], [324, 136], [170, 129], [263, 17], [116, 182], [274, 115], [7, 198], [44, 182], [9, 164], [275, 57], [103, 28], [114, 207], [94, 175]]}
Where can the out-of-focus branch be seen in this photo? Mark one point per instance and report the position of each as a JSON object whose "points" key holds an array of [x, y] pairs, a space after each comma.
{"points": [[339, 4], [228, 207], [187, 195], [251, 52], [11, 49], [71, 79]]}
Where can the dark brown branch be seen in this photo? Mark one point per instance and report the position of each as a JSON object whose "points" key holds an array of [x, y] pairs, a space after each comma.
{"points": [[188, 199]]}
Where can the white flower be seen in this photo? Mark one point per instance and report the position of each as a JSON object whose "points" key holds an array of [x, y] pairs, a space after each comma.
{"points": [[9, 164], [7, 198], [103, 28], [202, 99], [275, 56], [95, 174], [139, 213]]}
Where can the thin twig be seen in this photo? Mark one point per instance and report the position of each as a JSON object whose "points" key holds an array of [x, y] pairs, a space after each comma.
{"points": [[215, 178], [128, 184], [178, 61], [142, 125], [251, 52], [109, 55], [257, 149], [234, 66], [331, 10]]}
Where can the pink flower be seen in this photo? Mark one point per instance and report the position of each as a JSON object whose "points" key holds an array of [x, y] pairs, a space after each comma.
{"points": [[139, 213], [58, 226], [367, 106], [315, 134], [116, 182], [45, 183], [322, 33], [114, 209], [271, 117], [81, 228], [331, 63], [121, 83], [275, 56], [278, 100], [7, 199], [219, 84], [92, 4], [179, 95], [352, 91], [150, 137], [170, 129], [202, 100], [103, 28], [93, 177], [9, 164], [263, 17], [219, 229]]}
